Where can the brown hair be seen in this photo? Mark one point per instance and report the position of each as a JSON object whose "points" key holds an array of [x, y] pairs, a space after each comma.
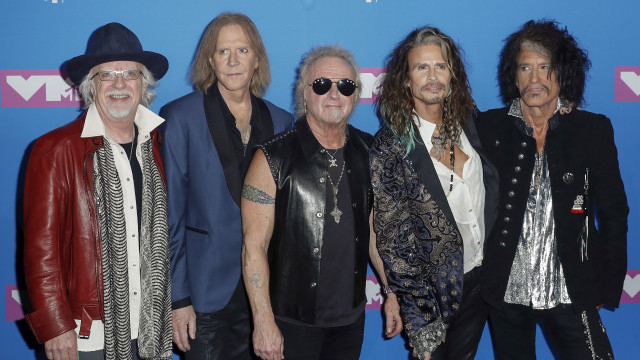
{"points": [[395, 102], [202, 75]]}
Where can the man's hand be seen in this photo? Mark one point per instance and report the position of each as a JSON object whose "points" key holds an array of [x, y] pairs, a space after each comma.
{"points": [[268, 342], [415, 355], [184, 322], [62, 347], [393, 321]]}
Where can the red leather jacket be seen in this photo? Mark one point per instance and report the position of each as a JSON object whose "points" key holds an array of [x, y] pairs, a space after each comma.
{"points": [[63, 253]]}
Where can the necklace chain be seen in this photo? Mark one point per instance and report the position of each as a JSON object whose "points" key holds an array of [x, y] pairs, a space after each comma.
{"points": [[336, 212], [133, 143], [332, 161], [438, 151]]}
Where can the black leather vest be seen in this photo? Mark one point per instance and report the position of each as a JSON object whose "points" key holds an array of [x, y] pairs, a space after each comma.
{"points": [[298, 164]]}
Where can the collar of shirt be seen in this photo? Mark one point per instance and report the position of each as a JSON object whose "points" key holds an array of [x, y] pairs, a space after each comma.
{"points": [[516, 110], [426, 129], [146, 120], [466, 200], [229, 119]]}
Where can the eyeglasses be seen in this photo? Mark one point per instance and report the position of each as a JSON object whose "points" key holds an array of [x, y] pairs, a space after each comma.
{"points": [[111, 75], [322, 86]]}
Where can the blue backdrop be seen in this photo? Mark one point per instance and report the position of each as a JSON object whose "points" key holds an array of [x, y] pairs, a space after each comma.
{"points": [[39, 35]]}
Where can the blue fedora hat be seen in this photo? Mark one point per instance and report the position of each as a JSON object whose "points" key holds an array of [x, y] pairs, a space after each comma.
{"points": [[115, 42]]}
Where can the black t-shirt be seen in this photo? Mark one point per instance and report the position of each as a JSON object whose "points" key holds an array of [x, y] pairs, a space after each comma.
{"points": [[243, 153], [337, 265], [136, 172]]}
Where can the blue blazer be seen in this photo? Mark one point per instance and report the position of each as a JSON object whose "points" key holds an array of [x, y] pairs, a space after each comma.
{"points": [[203, 187]]}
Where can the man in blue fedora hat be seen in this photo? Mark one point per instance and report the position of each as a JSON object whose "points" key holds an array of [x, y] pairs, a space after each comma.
{"points": [[95, 210]]}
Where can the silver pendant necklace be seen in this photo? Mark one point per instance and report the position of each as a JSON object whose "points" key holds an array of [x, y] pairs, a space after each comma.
{"points": [[336, 212], [438, 152], [332, 160]]}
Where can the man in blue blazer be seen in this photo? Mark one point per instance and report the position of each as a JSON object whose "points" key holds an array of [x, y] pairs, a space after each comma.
{"points": [[435, 196], [209, 137]]}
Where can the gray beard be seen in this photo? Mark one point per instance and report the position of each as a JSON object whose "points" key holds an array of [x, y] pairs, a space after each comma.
{"points": [[336, 114], [119, 114]]}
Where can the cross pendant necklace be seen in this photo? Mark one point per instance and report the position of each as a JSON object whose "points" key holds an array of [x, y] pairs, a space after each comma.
{"points": [[336, 212]]}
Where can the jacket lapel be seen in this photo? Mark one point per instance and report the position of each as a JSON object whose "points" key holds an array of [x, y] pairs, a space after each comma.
{"points": [[222, 142], [264, 117], [423, 166], [489, 176]]}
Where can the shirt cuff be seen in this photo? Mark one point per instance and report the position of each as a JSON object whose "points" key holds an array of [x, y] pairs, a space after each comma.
{"points": [[182, 303]]}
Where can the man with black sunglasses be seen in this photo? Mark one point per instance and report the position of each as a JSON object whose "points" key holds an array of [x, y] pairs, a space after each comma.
{"points": [[306, 205], [435, 195]]}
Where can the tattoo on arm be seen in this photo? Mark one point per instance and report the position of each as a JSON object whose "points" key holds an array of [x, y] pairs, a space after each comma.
{"points": [[256, 195], [255, 281]]}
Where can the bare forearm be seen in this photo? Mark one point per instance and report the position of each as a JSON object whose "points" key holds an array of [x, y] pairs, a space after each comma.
{"points": [[255, 269]]}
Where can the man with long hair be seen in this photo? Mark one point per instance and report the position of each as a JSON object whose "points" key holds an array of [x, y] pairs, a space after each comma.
{"points": [[546, 261], [209, 138], [434, 195]]}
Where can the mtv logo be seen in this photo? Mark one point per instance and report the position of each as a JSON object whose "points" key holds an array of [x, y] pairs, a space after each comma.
{"points": [[36, 88], [374, 295], [631, 287], [371, 78], [13, 302], [627, 84]]}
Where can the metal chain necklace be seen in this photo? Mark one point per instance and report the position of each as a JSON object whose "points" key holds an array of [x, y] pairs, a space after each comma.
{"points": [[438, 152], [333, 160], [336, 212], [438, 146], [133, 143], [245, 133], [452, 156]]}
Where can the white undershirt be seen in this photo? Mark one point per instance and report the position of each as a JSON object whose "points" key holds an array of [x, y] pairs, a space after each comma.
{"points": [[146, 121], [466, 200]]}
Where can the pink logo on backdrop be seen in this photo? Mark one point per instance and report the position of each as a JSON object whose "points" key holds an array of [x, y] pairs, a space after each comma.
{"points": [[627, 84], [631, 292], [371, 78], [13, 303], [374, 294], [36, 88]]}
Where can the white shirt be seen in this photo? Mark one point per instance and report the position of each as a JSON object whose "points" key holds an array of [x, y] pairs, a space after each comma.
{"points": [[466, 199], [146, 121]]}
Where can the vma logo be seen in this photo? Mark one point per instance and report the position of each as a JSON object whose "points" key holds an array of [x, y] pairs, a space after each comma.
{"points": [[374, 293], [13, 302], [36, 88], [627, 84], [631, 295], [371, 78]]}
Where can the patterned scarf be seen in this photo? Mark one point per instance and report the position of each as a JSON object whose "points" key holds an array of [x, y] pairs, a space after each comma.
{"points": [[154, 335]]}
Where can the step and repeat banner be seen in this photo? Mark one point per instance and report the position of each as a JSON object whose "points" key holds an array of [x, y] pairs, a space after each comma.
{"points": [[40, 35]]}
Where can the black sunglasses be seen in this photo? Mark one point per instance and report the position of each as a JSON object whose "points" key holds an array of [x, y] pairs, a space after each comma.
{"points": [[322, 86]]}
